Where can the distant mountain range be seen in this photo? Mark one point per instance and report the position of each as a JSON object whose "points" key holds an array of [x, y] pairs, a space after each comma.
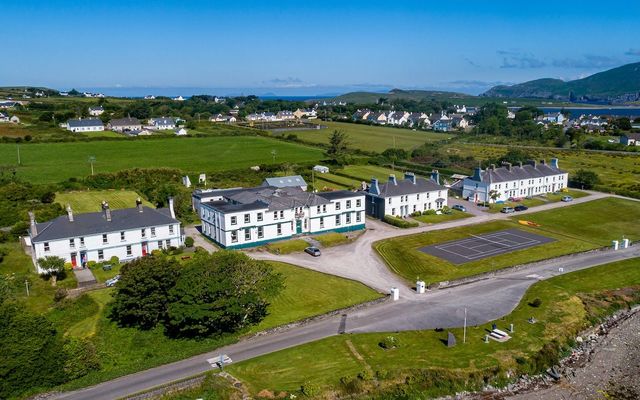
{"points": [[617, 85], [395, 94]]}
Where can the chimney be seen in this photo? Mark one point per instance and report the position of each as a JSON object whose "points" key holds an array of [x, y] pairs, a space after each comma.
{"points": [[507, 164], [477, 174], [171, 209], [493, 167], [435, 176], [543, 162], [139, 204], [33, 227], [392, 179], [410, 176], [520, 164], [69, 213], [554, 163], [107, 210], [533, 163], [374, 188]]}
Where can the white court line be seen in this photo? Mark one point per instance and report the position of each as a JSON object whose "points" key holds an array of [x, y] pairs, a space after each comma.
{"points": [[485, 254]]}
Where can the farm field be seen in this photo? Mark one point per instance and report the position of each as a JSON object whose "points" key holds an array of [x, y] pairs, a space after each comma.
{"points": [[331, 364], [55, 162], [619, 173], [89, 201], [370, 138], [576, 228]]}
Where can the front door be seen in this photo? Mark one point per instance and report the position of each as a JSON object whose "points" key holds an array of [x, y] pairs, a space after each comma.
{"points": [[144, 249], [74, 261], [299, 226], [83, 259]]}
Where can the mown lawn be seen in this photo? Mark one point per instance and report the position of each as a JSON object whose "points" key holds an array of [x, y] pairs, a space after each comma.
{"points": [[287, 246], [325, 362], [55, 162], [538, 200], [127, 350], [352, 176], [371, 138], [90, 201], [435, 219], [332, 239], [576, 228]]}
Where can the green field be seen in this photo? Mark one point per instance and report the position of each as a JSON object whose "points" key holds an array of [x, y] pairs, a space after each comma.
{"points": [[55, 162], [352, 176], [577, 298], [435, 219], [287, 246], [576, 228], [369, 137], [90, 201]]}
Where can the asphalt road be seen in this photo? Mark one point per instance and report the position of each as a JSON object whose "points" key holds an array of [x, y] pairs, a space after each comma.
{"points": [[485, 301]]}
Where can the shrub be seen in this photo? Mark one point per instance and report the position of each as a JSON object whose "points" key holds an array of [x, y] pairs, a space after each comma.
{"points": [[536, 303], [416, 214], [429, 212], [365, 375], [389, 342], [114, 260], [188, 241], [310, 389], [91, 264], [60, 295], [399, 222], [81, 358]]}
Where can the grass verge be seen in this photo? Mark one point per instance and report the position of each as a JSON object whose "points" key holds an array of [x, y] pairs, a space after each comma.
{"points": [[287, 246]]}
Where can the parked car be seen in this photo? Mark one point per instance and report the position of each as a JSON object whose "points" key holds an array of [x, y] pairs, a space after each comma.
{"points": [[459, 207], [521, 207], [567, 199], [507, 210], [112, 281], [314, 251]]}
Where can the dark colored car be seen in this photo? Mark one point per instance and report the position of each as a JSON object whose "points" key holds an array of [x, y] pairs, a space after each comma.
{"points": [[314, 251], [521, 208], [459, 207]]}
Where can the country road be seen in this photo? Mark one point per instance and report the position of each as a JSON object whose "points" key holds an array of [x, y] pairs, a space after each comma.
{"points": [[485, 300]]}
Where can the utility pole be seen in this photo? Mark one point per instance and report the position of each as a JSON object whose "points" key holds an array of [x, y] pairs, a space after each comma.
{"points": [[464, 331]]}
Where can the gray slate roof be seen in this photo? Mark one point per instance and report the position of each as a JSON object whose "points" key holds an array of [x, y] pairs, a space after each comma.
{"points": [[96, 223], [527, 171], [124, 122], [285, 181], [163, 121], [339, 194], [406, 186], [87, 122]]}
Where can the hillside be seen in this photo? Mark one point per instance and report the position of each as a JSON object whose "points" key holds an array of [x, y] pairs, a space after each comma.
{"points": [[395, 94], [617, 85]]}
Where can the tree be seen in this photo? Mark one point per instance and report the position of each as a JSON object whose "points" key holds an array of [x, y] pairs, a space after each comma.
{"points": [[338, 146], [142, 294], [54, 267], [32, 353], [584, 179], [494, 195], [515, 156], [623, 123], [222, 292]]}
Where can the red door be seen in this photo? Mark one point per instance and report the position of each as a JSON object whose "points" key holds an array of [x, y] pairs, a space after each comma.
{"points": [[74, 262], [144, 249]]}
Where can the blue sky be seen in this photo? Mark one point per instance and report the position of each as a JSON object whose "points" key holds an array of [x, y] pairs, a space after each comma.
{"points": [[297, 47]]}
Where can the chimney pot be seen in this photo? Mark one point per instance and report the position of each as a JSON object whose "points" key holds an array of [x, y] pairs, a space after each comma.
{"points": [[69, 213], [107, 211], [32, 223], [171, 209], [392, 179], [139, 204]]}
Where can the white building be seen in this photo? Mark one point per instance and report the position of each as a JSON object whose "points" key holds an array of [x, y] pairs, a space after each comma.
{"points": [[163, 123], [500, 184], [85, 125], [402, 198], [127, 234], [96, 111], [242, 218], [181, 132], [125, 124]]}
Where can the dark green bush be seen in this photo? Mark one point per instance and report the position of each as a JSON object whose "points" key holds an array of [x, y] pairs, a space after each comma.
{"points": [[399, 222]]}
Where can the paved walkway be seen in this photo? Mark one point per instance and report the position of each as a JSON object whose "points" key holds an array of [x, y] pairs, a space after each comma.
{"points": [[84, 276], [198, 238]]}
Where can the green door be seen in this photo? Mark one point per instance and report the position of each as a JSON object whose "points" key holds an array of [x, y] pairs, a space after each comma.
{"points": [[298, 227]]}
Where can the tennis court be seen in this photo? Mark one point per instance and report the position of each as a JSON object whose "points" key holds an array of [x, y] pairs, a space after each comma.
{"points": [[477, 247]]}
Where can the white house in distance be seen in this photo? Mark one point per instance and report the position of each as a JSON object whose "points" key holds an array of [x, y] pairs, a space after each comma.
{"points": [[402, 198], [162, 123], [96, 111], [254, 216], [510, 181], [630, 139], [127, 234], [125, 124], [181, 132], [85, 125]]}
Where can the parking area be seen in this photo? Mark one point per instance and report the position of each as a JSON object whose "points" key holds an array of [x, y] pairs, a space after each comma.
{"points": [[477, 247]]}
